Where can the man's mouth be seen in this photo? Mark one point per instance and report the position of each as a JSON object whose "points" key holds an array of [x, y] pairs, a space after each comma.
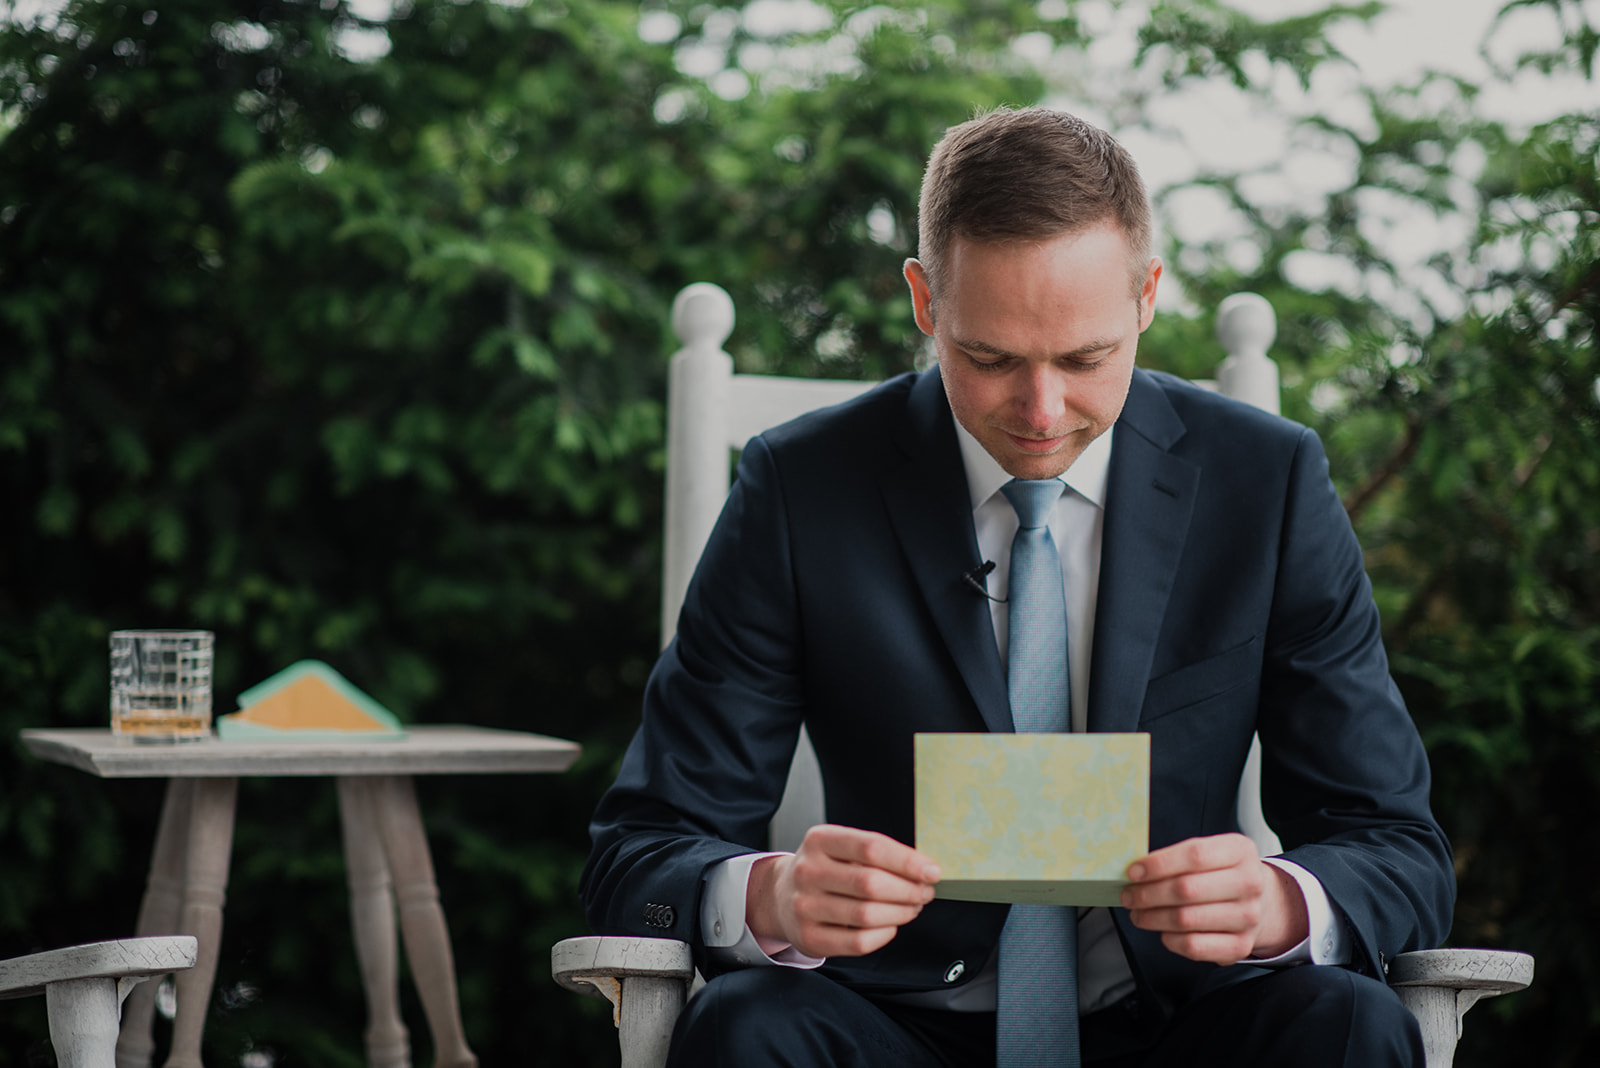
{"points": [[1035, 445]]}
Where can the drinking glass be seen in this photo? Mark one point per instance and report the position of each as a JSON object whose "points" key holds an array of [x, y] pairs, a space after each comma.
{"points": [[161, 685]]}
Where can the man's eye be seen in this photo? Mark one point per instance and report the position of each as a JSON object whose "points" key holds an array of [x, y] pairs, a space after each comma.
{"points": [[1087, 362]]}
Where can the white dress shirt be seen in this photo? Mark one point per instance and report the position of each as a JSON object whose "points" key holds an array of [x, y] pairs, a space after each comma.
{"points": [[1076, 526]]}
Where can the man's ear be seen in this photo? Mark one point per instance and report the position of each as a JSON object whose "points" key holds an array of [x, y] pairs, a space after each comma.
{"points": [[1147, 295], [921, 295]]}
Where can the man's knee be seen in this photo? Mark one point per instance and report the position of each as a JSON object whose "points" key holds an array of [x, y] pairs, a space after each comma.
{"points": [[789, 1016], [1342, 1010], [745, 1010], [1303, 1016], [1340, 992]]}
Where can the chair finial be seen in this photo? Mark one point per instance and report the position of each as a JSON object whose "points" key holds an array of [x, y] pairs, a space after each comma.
{"points": [[1246, 324], [702, 315]]}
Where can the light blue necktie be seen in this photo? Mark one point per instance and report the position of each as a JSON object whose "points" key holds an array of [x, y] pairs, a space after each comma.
{"points": [[1037, 1026]]}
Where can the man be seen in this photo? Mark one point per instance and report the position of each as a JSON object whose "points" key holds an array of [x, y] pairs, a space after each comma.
{"points": [[1210, 587]]}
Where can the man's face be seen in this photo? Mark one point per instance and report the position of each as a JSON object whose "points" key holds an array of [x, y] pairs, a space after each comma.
{"points": [[1036, 341]]}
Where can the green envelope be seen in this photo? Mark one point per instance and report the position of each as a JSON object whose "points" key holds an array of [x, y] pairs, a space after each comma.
{"points": [[1045, 819]]}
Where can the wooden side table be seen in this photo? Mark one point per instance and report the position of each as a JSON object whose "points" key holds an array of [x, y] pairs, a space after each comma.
{"points": [[386, 854]]}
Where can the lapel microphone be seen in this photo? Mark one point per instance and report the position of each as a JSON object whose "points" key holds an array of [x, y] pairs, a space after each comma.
{"points": [[975, 577]]}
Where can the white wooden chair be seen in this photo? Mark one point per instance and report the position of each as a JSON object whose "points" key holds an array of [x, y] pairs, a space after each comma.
{"points": [[711, 411], [84, 987]]}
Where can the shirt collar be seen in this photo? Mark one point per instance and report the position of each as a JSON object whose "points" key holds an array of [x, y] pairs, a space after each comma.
{"points": [[1086, 476]]}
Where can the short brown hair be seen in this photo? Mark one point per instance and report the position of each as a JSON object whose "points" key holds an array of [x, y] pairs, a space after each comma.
{"points": [[1029, 173]]}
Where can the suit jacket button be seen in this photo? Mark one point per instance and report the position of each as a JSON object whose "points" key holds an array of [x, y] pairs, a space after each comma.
{"points": [[955, 971]]}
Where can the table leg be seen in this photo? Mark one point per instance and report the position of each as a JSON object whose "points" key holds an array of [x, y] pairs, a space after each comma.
{"points": [[372, 923], [205, 885], [422, 924], [159, 914]]}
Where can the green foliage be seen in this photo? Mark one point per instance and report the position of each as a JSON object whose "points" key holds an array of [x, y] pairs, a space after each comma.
{"points": [[363, 359], [1460, 399], [1204, 38]]}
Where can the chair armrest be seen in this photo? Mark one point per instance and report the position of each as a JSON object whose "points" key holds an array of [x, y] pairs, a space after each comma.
{"points": [[84, 987], [645, 979], [1438, 986], [128, 958], [577, 962], [1488, 971]]}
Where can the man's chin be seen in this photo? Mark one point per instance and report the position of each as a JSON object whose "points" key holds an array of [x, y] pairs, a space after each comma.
{"points": [[1045, 459], [1035, 466]]}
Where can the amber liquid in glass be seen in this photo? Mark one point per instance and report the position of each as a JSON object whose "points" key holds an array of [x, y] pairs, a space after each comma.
{"points": [[159, 718]]}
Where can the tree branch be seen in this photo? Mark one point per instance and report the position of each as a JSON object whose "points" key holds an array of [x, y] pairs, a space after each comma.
{"points": [[1357, 502], [1589, 281]]}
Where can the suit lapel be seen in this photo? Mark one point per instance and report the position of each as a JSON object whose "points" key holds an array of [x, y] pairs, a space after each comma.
{"points": [[926, 505], [1149, 498]]}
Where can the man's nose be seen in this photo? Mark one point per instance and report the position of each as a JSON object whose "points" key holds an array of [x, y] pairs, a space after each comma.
{"points": [[1039, 401]]}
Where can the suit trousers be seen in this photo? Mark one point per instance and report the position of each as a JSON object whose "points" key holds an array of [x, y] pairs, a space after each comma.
{"points": [[1303, 1017]]}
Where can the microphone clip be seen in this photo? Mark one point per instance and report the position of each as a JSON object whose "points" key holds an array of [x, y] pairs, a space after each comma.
{"points": [[975, 577]]}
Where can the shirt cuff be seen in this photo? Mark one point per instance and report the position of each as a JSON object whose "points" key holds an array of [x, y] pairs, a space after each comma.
{"points": [[728, 939], [1326, 943]]}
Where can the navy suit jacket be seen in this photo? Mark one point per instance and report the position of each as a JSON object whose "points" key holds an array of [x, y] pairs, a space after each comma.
{"points": [[1232, 600]]}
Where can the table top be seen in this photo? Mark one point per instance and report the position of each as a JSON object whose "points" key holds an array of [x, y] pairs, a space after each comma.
{"points": [[427, 749]]}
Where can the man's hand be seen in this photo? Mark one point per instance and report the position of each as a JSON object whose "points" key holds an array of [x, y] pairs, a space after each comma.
{"points": [[844, 892], [1214, 899]]}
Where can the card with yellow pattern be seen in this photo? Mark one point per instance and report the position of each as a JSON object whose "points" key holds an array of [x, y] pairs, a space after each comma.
{"points": [[1050, 819]]}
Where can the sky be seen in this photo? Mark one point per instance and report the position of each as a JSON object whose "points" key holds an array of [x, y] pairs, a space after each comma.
{"points": [[1391, 49], [1221, 128], [1215, 127], [1210, 127], [1448, 35]]}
